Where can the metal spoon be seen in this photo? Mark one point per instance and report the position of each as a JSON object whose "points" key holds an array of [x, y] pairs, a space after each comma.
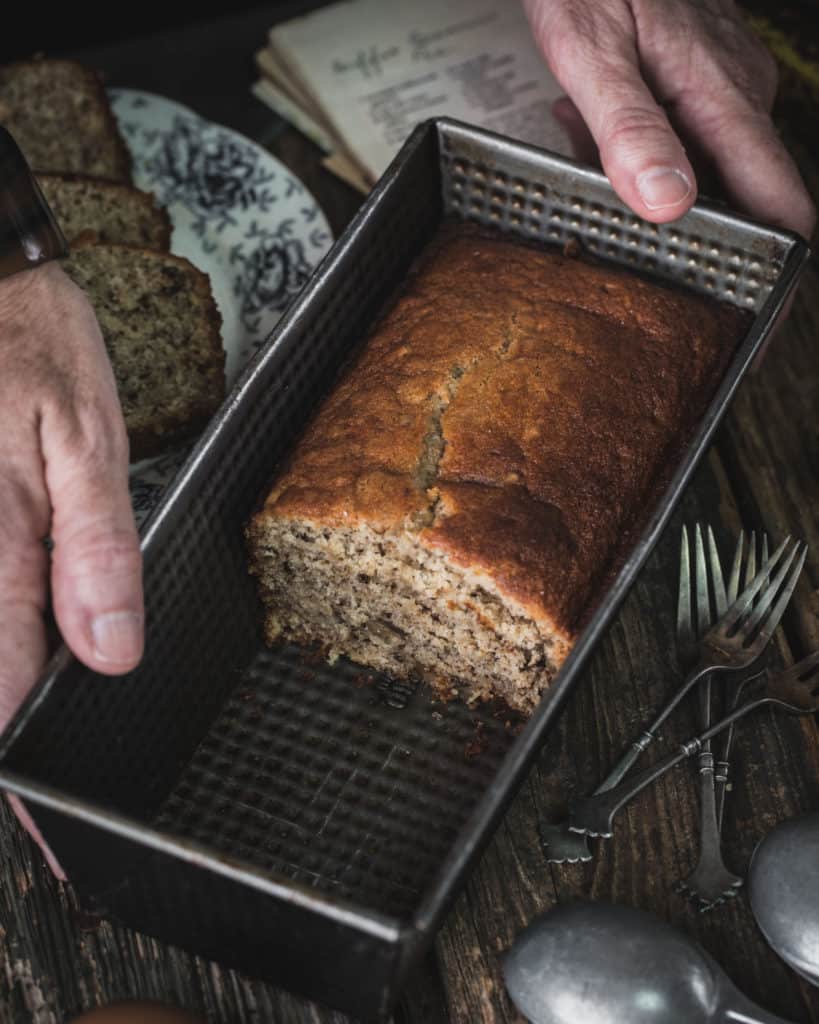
{"points": [[784, 895], [616, 965]]}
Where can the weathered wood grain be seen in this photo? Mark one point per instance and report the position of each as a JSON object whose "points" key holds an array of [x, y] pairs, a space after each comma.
{"points": [[770, 448], [56, 960], [776, 766]]}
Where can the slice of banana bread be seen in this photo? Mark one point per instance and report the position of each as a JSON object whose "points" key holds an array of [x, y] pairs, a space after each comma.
{"points": [[60, 117], [89, 209], [162, 330]]}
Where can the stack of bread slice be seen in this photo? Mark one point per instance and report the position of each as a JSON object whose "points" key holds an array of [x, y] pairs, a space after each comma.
{"points": [[156, 310]]}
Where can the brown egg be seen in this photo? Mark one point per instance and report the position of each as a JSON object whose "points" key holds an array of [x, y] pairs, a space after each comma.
{"points": [[138, 1013]]}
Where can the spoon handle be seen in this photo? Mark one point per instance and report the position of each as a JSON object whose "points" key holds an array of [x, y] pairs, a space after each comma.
{"points": [[594, 814], [745, 1012]]}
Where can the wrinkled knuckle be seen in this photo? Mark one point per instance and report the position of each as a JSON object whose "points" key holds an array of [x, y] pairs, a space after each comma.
{"points": [[739, 116], [630, 127], [97, 439], [102, 551]]}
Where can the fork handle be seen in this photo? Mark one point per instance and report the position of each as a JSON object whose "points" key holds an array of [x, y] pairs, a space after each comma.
{"points": [[710, 840], [647, 737], [594, 814], [621, 769], [721, 773], [723, 766]]}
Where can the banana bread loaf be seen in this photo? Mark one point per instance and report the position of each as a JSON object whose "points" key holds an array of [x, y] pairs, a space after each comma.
{"points": [[459, 495]]}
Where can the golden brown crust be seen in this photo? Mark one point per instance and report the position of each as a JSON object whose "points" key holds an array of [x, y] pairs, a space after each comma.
{"points": [[515, 404]]}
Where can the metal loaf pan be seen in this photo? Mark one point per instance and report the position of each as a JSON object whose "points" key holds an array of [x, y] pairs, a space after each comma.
{"points": [[307, 823]]}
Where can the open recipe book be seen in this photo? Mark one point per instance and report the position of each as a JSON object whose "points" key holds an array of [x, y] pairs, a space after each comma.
{"points": [[357, 76]]}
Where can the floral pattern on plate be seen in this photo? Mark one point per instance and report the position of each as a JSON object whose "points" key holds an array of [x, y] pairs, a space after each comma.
{"points": [[239, 215]]}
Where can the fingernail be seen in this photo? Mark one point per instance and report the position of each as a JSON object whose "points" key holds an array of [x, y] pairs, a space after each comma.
{"points": [[660, 187], [117, 636]]}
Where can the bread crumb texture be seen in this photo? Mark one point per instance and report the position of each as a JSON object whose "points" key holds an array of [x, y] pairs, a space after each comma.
{"points": [[162, 331], [90, 210], [60, 117]]}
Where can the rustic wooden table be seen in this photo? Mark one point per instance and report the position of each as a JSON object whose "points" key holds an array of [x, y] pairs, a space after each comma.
{"points": [[762, 472]]}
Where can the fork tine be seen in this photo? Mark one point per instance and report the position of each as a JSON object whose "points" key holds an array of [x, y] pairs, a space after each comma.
{"points": [[685, 630], [703, 600], [717, 581], [778, 609], [764, 548], [804, 668], [768, 593], [750, 565], [733, 581], [743, 602]]}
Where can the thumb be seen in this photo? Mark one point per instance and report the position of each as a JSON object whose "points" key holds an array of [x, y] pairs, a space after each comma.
{"points": [[96, 568], [640, 153]]}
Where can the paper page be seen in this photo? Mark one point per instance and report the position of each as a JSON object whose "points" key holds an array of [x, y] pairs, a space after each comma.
{"points": [[377, 67], [271, 67], [281, 79], [338, 164], [278, 101]]}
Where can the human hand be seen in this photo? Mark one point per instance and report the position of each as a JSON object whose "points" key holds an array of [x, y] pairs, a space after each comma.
{"points": [[647, 78], [63, 475]]}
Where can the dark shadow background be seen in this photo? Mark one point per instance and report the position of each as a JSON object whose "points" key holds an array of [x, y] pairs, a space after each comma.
{"points": [[65, 29]]}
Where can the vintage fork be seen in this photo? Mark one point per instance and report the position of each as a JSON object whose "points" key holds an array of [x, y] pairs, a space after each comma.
{"points": [[735, 642], [722, 767], [711, 881], [795, 690], [560, 845]]}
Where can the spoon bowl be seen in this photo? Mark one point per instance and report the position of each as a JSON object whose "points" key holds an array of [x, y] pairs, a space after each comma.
{"points": [[784, 895], [617, 965]]}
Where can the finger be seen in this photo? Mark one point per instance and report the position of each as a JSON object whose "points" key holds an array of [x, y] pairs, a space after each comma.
{"points": [[756, 171], [23, 579], [96, 567], [580, 138], [640, 152], [23, 574]]}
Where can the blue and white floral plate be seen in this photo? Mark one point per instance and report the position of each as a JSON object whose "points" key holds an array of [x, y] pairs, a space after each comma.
{"points": [[238, 214]]}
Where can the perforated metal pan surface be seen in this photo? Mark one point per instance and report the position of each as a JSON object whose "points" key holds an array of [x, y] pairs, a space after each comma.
{"points": [[303, 822]]}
